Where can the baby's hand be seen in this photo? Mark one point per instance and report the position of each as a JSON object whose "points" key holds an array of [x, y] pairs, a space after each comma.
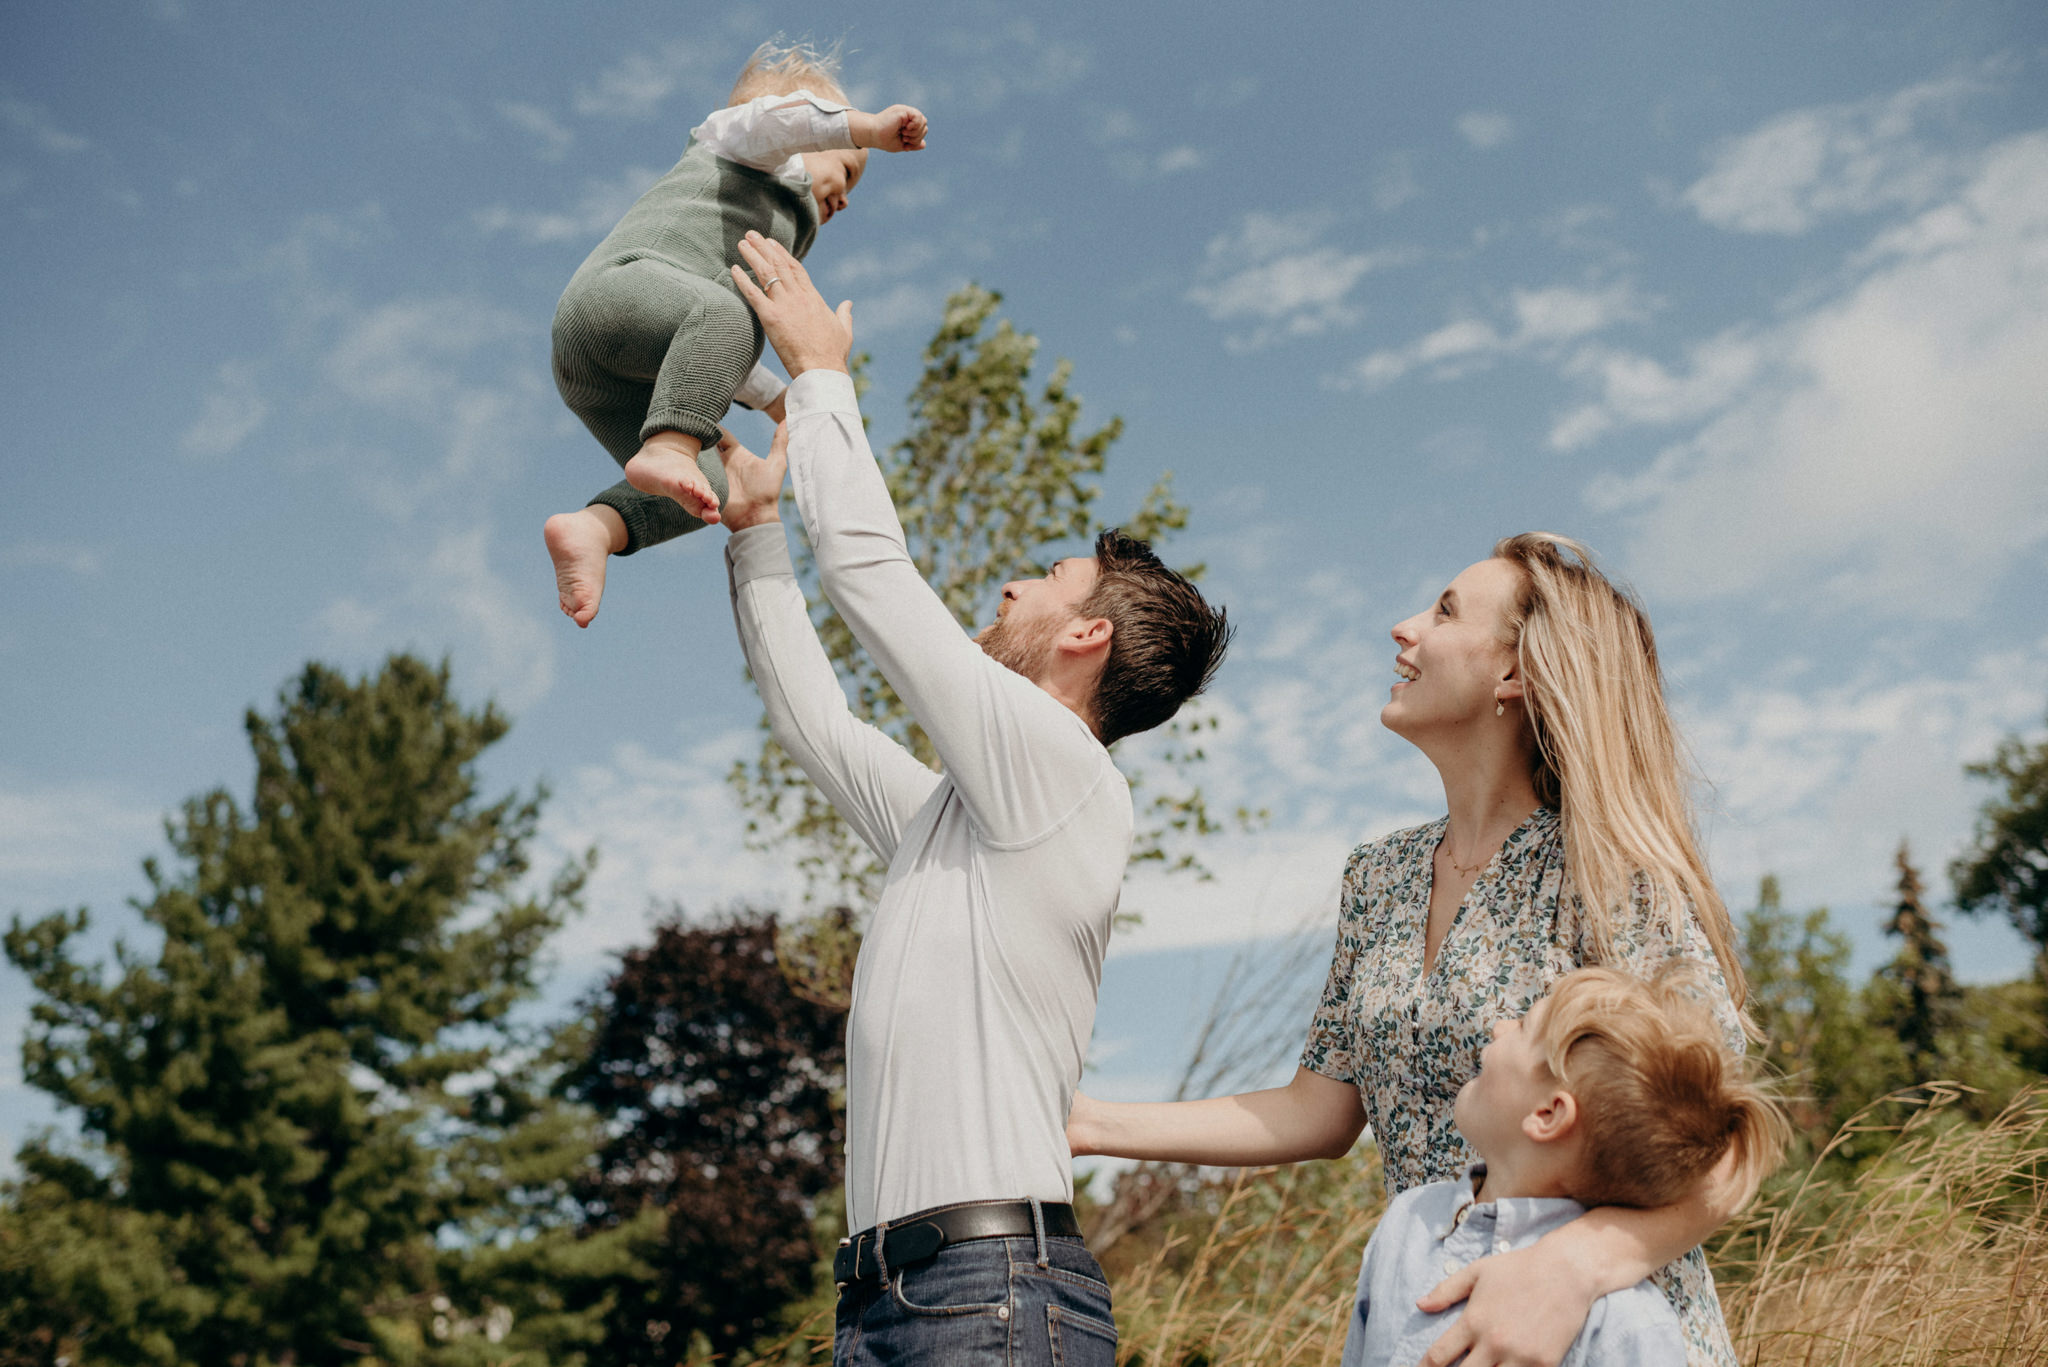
{"points": [[899, 128]]}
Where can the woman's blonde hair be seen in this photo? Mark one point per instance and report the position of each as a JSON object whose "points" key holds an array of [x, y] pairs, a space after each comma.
{"points": [[1607, 756], [1660, 1097], [779, 68]]}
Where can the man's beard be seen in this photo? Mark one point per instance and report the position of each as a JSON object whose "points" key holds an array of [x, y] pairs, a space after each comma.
{"points": [[1021, 652]]}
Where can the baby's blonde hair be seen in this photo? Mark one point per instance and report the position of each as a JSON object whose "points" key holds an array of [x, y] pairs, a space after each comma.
{"points": [[778, 68], [1660, 1096]]}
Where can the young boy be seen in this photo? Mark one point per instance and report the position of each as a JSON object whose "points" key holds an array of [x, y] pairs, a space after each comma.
{"points": [[652, 342], [1611, 1091]]}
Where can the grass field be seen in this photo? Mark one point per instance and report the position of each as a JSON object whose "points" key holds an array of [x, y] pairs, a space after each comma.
{"points": [[1934, 1250], [1931, 1249]]}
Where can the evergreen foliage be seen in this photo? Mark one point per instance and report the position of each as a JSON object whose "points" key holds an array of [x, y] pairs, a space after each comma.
{"points": [[284, 1105], [1925, 985]]}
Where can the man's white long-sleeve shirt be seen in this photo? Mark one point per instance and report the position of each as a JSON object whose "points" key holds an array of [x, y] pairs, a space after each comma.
{"points": [[974, 993]]}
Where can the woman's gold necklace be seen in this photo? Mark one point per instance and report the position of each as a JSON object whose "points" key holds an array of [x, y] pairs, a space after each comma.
{"points": [[1466, 869]]}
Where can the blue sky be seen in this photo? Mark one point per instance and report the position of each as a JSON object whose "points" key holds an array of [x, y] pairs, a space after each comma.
{"points": [[1754, 298]]}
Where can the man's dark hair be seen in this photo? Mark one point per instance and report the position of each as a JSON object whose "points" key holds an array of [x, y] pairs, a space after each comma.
{"points": [[1165, 643]]}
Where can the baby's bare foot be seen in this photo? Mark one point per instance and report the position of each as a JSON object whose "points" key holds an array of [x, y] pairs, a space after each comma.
{"points": [[579, 543], [672, 471]]}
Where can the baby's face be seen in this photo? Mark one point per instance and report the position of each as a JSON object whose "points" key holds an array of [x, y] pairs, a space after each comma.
{"points": [[833, 176], [1514, 1080]]}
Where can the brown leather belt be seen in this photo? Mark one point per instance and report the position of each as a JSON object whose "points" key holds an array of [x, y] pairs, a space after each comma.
{"points": [[915, 1238]]}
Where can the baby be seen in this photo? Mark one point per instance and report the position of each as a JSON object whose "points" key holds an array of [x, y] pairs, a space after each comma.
{"points": [[652, 342], [1610, 1092]]}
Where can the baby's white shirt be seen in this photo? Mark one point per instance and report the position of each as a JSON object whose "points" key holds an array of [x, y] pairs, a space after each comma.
{"points": [[770, 132]]}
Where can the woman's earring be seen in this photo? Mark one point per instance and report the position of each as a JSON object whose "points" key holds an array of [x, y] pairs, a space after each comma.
{"points": [[1500, 709]]}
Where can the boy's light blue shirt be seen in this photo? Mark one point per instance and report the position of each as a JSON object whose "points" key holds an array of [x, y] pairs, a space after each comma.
{"points": [[1431, 1231]]}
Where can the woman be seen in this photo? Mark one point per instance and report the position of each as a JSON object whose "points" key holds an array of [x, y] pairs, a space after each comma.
{"points": [[1533, 687]]}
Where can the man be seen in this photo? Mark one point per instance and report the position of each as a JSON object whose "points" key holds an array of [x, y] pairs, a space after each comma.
{"points": [[974, 993]]}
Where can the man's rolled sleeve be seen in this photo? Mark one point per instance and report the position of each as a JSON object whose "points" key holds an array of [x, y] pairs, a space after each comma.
{"points": [[820, 391], [759, 552]]}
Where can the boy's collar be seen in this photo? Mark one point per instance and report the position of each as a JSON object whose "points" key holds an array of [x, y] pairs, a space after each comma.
{"points": [[1515, 1219]]}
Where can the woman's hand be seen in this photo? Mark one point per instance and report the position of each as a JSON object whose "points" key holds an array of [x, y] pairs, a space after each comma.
{"points": [[1080, 1137], [1522, 1309]]}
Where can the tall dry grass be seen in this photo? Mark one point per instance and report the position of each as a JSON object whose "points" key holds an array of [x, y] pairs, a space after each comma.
{"points": [[1933, 1252], [1937, 1253]]}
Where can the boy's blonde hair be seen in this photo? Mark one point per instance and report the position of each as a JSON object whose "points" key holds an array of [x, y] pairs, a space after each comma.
{"points": [[778, 68], [1660, 1096]]}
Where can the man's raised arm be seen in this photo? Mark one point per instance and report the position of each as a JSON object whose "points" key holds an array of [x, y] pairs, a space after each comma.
{"points": [[873, 782], [1020, 759]]}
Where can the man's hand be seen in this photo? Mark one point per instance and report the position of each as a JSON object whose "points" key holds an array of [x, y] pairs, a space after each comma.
{"points": [[1522, 1309], [899, 128], [804, 330], [753, 486]]}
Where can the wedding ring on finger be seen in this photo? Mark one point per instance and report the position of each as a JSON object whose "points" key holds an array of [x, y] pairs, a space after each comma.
{"points": [[769, 283]]}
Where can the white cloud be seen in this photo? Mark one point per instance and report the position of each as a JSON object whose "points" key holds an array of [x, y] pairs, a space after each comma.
{"points": [[987, 58], [1812, 164], [1534, 320], [410, 356], [497, 633], [1485, 129], [1819, 784], [1122, 133], [1887, 445], [601, 205], [53, 837], [917, 196], [904, 304], [667, 829], [233, 410], [640, 83], [35, 124], [447, 597], [56, 555], [554, 139], [990, 60], [1638, 390], [901, 257], [1275, 273], [1116, 125], [1394, 182]]}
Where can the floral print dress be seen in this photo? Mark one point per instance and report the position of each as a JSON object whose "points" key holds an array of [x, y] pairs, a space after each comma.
{"points": [[1409, 1043]]}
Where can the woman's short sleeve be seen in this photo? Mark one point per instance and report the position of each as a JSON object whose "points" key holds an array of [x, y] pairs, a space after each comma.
{"points": [[1332, 1034]]}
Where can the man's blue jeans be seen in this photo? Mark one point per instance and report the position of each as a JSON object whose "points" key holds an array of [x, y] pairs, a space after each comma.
{"points": [[1019, 1302]]}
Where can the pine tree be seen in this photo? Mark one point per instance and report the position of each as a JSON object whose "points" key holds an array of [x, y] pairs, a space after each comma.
{"points": [[283, 1105], [1925, 984]]}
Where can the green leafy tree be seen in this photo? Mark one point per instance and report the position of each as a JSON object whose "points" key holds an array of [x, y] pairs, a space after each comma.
{"points": [[989, 481], [1811, 1016], [2005, 870], [721, 1091], [285, 1103]]}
